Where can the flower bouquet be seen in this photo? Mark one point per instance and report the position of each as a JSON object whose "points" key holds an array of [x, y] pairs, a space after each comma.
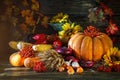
{"points": [[57, 21]]}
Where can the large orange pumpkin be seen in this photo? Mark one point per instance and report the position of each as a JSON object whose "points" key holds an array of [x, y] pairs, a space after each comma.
{"points": [[90, 45]]}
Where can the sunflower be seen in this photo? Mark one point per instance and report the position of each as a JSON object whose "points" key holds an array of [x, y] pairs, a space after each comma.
{"points": [[68, 29], [59, 18], [112, 56]]}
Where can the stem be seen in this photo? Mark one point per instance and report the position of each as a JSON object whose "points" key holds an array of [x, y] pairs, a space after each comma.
{"points": [[34, 28], [37, 22]]}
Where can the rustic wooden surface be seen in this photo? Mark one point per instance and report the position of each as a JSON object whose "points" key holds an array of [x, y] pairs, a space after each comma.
{"points": [[8, 72]]}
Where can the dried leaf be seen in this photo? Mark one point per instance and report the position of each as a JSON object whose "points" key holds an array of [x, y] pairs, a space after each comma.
{"points": [[112, 28], [44, 22], [25, 13], [92, 16], [25, 2], [33, 1], [35, 6], [107, 10], [29, 20], [24, 28]]}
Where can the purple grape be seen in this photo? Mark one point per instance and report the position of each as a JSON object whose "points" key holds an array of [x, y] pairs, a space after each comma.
{"points": [[71, 58], [60, 50], [64, 48], [68, 51], [87, 64]]}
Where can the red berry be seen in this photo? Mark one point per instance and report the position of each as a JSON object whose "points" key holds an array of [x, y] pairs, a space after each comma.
{"points": [[100, 68], [104, 68], [39, 67], [116, 68], [107, 69], [57, 44]]}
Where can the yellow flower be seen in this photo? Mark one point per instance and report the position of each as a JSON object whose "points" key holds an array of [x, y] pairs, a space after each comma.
{"points": [[66, 26], [112, 56], [60, 17], [61, 33], [68, 30]]}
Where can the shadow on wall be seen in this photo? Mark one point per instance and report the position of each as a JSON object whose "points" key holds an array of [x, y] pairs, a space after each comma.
{"points": [[4, 39], [5, 35]]}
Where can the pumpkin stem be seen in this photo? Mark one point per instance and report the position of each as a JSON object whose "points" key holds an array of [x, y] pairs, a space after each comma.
{"points": [[91, 31]]}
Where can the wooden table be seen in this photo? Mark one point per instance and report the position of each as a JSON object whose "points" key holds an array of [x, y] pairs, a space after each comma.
{"points": [[7, 72]]}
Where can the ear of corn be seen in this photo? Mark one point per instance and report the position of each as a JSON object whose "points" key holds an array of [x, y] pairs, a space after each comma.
{"points": [[42, 47]]}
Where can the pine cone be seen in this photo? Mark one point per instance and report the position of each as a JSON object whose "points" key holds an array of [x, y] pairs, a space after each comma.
{"points": [[51, 58]]}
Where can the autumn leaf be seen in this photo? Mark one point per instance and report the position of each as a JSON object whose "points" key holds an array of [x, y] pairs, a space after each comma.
{"points": [[24, 28], [92, 15], [44, 21], [112, 28], [25, 2], [33, 1], [107, 10], [35, 6], [30, 20], [25, 13]]}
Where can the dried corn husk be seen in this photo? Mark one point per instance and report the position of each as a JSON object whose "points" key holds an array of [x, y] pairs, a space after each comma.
{"points": [[51, 58]]}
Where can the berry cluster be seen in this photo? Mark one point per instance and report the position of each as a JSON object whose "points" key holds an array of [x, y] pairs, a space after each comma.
{"points": [[103, 68], [116, 68], [39, 67], [113, 68]]}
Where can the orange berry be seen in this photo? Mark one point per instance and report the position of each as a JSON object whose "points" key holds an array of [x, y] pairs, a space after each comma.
{"points": [[79, 70], [61, 69], [70, 70]]}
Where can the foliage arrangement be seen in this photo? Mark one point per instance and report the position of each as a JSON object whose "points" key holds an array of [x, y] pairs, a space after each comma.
{"points": [[25, 16], [102, 13], [71, 49]]}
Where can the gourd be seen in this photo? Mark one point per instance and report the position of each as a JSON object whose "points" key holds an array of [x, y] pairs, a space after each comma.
{"points": [[90, 45], [15, 59], [30, 62]]}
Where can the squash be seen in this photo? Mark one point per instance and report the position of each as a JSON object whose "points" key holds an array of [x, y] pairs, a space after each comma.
{"points": [[29, 62], [90, 45], [15, 59]]}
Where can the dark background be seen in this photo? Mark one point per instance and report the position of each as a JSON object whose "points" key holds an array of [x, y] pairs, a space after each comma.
{"points": [[77, 9]]}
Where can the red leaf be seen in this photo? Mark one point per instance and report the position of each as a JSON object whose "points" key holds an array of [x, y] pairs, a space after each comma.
{"points": [[107, 10], [112, 28]]}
